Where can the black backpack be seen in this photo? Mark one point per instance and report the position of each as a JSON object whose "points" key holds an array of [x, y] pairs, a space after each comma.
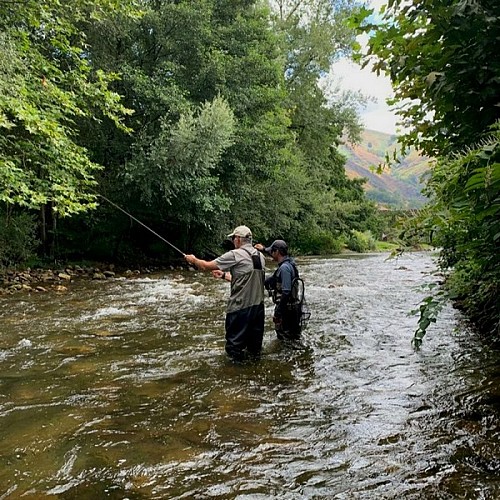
{"points": [[298, 301]]}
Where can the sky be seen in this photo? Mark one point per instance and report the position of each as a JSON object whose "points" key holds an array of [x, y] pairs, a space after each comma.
{"points": [[349, 76]]}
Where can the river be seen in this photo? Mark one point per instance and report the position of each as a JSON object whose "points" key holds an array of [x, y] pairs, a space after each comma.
{"points": [[121, 389]]}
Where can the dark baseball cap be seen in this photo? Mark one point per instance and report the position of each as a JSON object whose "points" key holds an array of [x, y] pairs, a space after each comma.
{"points": [[277, 245]]}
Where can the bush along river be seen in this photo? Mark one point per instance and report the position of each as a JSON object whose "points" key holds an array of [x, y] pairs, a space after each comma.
{"points": [[122, 389]]}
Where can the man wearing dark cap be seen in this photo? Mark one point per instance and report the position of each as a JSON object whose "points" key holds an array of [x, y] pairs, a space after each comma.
{"points": [[244, 268], [280, 285]]}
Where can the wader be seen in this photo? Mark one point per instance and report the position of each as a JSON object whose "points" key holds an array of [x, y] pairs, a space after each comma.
{"points": [[290, 327]]}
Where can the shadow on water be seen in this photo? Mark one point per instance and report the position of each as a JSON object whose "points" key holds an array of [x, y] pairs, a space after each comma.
{"points": [[122, 390]]}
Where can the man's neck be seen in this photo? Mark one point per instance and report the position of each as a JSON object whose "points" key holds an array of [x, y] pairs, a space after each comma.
{"points": [[243, 244]]}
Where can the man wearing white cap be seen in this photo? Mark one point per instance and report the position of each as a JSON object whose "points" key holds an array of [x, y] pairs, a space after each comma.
{"points": [[244, 267]]}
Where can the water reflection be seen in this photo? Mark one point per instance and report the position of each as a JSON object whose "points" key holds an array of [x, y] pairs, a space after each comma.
{"points": [[122, 389]]}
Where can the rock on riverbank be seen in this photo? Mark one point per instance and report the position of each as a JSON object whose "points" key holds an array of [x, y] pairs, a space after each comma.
{"points": [[58, 280]]}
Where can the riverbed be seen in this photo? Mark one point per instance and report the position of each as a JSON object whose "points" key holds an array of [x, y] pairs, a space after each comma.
{"points": [[122, 389]]}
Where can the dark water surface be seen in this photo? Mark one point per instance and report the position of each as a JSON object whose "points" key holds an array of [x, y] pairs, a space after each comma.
{"points": [[122, 390]]}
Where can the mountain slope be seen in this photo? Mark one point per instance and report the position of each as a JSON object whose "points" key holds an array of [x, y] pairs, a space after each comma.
{"points": [[399, 186]]}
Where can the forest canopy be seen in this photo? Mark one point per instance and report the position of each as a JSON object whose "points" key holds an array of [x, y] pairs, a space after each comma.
{"points": [[194, 116]]}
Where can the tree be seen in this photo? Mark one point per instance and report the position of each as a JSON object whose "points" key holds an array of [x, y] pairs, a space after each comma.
{"points": [[179, 167], [315, 34], [46, 84], [229, 124], [176, 60], [444, 69]]}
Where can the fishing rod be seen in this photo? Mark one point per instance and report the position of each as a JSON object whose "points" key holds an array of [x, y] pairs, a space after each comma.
{"points": [[141, 223]]}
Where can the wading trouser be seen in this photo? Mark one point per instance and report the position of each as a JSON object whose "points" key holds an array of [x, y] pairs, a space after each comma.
{"points": [[290, 324], [245, 331]]}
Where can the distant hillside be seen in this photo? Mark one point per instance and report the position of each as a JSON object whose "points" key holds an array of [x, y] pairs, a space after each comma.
{"points": [[398, 186]]}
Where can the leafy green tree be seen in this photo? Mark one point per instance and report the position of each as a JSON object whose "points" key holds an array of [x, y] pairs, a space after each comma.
{"points": [[228, 125], [180, 163], [46, 84], [464, 220], [179, 59]]}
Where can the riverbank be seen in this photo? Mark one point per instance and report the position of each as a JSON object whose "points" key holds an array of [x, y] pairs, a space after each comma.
{"points": [[42, 280]]}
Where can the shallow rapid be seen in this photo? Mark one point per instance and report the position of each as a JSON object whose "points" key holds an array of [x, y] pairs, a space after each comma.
{"points": [[122, 389]]}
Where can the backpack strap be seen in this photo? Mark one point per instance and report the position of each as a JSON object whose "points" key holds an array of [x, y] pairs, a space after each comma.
{"points": [[257, 263]]}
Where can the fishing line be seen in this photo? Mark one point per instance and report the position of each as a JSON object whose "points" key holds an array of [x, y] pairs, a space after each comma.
{"points": [[141, 223]]}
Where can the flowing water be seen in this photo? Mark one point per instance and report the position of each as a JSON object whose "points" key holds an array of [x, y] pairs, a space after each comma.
{"points": [[121, 389]]}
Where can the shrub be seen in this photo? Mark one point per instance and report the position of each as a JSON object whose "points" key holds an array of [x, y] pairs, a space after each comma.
{"points": [[319, 242], [361, 242]]}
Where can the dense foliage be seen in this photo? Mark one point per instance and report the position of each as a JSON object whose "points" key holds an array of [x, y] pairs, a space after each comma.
{"points": [[466, 218], [46, 83], [444, 64], [193, 116]]}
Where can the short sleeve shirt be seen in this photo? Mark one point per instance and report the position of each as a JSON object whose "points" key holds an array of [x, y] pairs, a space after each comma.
{"points": [[247, 283]]}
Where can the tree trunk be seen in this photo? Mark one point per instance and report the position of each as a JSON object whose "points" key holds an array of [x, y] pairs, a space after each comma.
{"points": [[48, 231]]}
